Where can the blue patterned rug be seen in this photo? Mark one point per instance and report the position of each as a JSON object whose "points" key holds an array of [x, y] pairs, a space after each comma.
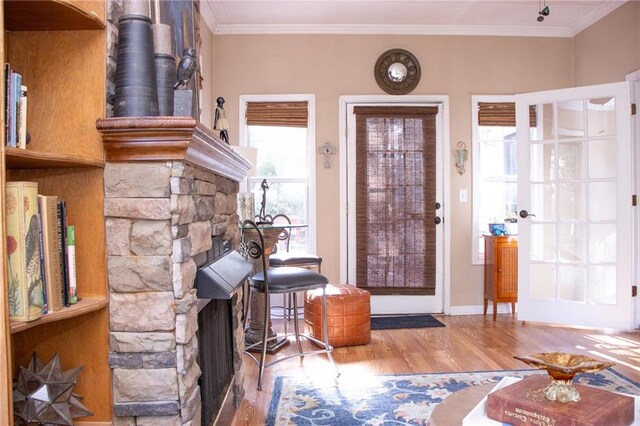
{"points": [[405, 399]]}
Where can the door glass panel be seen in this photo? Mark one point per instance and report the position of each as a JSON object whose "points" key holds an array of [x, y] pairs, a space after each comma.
{"points": [[602, 158], [543, 162], [571, 199], [602, 243], [542, 284], [544, 118], [570, 161], [572, 282], [602, 201], [602, 117], [543, 242], [572, 244], [602, 285], [571, 119], [543, 201]]}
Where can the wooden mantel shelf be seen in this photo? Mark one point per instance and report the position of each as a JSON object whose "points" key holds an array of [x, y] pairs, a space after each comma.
{"points": [[136, 139]]}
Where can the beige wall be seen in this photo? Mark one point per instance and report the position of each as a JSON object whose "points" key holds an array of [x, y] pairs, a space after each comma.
{"points": [[609, 49], [333, 65], [206, 71]]}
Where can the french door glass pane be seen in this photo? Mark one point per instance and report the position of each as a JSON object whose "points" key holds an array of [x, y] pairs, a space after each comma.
{"points": [[571, 283], [602, 201], [543, 164], [571, 119], [602, 159], [602, 243], [543, 242], [543, 201], [572, 242], [571, 201], [601, 117], [602, 285], [545, 128], [542, 283], [571, 161]]}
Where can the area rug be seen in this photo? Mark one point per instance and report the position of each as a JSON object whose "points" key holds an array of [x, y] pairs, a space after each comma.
{"points": [[405, 321], [394, 399]]}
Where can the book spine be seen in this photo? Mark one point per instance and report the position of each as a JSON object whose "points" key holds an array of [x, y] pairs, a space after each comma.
{"points": [[7, 103], [16, 82], [25, 282], [48, 206], [22, 118], [71, 263], [62, 250], [45, 307]]}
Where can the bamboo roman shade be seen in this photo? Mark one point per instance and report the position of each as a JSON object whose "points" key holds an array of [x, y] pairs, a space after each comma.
{"points": [[502, 114], [285, 114], [395, 199]]}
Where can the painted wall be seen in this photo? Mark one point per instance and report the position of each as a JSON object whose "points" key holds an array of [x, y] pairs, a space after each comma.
{"points": [[609, 49], [333, 65], [206, 70]]}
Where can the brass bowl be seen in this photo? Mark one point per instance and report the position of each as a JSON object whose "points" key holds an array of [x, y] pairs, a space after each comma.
{"points": [[562, 368]]}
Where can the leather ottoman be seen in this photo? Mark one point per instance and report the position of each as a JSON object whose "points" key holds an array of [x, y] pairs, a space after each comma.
{"points": [[348, 314]]}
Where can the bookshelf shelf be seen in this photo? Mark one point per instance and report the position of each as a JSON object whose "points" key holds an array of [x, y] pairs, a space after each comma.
{"points": [[84, 306], [53, 15], [17, 158]]}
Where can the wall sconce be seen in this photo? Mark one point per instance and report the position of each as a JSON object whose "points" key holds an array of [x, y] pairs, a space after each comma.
{"points": [[461, 155], [246, 199]]}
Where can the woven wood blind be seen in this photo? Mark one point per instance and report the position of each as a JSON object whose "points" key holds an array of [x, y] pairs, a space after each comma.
{"points": [[395, 200], [286, 114], [502, 114]]}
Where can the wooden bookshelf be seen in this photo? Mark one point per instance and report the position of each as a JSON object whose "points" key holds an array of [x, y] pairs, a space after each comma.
{"points": [[59, 47]]}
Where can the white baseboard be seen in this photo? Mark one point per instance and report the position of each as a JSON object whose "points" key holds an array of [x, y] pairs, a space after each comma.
{"points": [[503, 308]]}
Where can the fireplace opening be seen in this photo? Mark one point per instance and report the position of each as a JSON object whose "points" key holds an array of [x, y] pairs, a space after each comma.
{"points": [[215, 356]]}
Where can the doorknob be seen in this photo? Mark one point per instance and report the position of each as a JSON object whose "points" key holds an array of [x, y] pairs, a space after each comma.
{"points": [[438, 205], [438, 220], [524, 214]]}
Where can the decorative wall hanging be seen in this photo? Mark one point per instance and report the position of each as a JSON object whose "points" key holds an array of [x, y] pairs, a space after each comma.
{"points": [[397, 72], [461, 155], [327, 149]]}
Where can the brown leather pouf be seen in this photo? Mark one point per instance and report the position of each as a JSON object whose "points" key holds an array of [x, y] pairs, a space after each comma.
{"points": [[348, 315]]}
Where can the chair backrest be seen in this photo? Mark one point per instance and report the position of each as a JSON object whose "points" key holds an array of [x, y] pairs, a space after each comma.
{"points": [[252, 243], [285, 235]]}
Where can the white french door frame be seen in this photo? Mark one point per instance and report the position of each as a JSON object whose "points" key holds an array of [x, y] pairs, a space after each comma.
{"points": [[634, 79], [347, 176]]}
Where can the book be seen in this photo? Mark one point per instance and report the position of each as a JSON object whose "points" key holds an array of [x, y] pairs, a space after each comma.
{"points": [[48, 207], [62, 250], [23, 251], [71, 264], [524, 403], [7, 102], [14, 100], [22, 118], [45, 308]]}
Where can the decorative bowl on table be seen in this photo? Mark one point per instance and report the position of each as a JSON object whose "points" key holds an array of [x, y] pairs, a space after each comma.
{"points": [[563, 367]]}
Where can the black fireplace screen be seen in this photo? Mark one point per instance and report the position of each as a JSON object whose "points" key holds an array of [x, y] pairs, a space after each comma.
{"points": [[215, 356]]}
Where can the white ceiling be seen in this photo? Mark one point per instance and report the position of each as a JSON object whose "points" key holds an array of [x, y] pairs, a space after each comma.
{"points": [[451, 17]]}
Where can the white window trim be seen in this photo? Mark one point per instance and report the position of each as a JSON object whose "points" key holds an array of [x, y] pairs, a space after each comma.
{"points": [[311, 146], [476, 257]]}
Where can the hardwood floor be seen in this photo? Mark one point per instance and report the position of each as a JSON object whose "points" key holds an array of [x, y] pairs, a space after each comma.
{"points": [[467, 343]]}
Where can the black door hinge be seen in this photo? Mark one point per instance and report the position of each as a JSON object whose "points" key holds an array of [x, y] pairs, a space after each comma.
{"points": [[634, 290]]}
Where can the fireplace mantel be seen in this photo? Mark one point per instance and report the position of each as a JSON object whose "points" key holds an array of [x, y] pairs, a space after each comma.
{"points": [[139, 139]]}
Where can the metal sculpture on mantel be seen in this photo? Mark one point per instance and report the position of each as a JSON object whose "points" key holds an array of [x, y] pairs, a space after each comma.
{"points": [[186, 67], [262, 217]]}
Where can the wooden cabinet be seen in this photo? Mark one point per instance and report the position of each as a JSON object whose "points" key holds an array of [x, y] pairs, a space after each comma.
{"points": [[59, 48], [500, 271]]}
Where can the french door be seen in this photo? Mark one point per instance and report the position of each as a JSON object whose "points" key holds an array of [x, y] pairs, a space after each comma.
{"points": [[395, 244], [575, 196]]}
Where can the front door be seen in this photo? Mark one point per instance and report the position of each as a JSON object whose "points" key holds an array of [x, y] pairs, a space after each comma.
{"points": [[576, 206], [394, 201]]}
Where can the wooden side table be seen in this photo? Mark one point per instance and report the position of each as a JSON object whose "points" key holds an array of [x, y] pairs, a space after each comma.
{"points": [[500, 271]]}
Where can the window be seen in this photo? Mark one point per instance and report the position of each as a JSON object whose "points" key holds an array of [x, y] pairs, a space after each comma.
{"points": [[280, 128], [495, 195]]}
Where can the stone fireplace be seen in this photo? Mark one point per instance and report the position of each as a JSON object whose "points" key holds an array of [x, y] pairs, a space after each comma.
{"points": [[170, 187]]}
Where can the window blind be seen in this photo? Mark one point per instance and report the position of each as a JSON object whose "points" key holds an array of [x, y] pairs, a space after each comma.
{"points": [[286, 114], [502, 114]]}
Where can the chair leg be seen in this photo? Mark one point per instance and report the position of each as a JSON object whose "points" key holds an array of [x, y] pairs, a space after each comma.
{"points": [[325, 330], [285, 311], [246, 298], [265, 337], [296, 327]]}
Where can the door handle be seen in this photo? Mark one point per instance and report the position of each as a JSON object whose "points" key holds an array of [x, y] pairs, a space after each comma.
{"points": [[438, 205], [523, 214], [438, 220]]}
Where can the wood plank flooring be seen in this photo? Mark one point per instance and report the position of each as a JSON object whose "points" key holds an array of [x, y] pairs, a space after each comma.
{"points": [[467, 343]]}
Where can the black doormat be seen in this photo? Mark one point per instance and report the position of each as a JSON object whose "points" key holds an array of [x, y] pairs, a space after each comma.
{"points": [[404, 321]]}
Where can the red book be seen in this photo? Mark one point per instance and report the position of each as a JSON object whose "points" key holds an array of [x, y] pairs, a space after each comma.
{"points": [[524, 403]]}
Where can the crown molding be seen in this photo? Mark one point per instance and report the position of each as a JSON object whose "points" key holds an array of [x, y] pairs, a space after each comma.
{"points": [[466, 30], [206, 11]]}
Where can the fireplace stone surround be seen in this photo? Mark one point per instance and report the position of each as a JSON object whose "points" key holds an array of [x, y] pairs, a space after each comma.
{"points": [[170, 186]]}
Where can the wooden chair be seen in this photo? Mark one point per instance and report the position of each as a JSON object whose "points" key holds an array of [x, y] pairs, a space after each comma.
{"points": [[284, 280]]}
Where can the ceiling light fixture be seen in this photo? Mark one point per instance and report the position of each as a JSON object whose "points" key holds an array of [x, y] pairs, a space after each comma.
{"points": [[544, 11]]}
